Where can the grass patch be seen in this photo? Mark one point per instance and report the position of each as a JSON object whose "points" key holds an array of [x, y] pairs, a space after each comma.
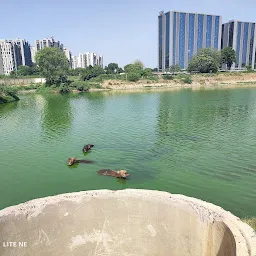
{"points": [[73, 78], [46, 89], [101, 78], [28, 87]]}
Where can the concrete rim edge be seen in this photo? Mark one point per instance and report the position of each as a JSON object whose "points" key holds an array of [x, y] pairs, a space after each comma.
{"points": [[241, 230]]}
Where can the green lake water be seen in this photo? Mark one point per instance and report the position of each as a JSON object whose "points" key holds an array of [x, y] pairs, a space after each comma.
{"points": [[201, 144]]}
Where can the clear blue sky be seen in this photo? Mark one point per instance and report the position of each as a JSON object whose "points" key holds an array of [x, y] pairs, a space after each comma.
{"points": [[122, 31]]}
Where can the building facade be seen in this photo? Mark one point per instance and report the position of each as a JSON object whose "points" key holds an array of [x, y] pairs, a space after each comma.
{"points": [[8, 52], [74, 62], [69, 56], [241, 36], [14, 53], [33, 53], [181, 35], [23, 53], [48, 42], [1, 64], [82, 60], [87, 59]]}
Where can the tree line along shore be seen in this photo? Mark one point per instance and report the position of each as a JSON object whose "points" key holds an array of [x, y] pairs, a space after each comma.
{"points": [[52, 64]]}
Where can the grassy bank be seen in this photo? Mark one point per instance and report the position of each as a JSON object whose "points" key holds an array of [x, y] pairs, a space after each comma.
{"points": [[121, 82]]}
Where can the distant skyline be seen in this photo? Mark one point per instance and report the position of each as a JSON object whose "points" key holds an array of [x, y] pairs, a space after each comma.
{"points": [[122, 31]]}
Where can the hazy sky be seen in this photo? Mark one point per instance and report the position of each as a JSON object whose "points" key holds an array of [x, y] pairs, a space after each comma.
{"points": [[122, 31]]}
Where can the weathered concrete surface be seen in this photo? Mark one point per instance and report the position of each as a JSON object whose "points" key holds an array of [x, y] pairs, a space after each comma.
{"points": [[123, 223]]}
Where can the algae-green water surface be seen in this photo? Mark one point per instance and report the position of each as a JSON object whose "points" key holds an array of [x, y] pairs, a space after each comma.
{"points": [[201, 144]]}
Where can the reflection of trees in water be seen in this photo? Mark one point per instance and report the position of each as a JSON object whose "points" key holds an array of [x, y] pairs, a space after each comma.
{"points": [[57, 115], [7, 108]]}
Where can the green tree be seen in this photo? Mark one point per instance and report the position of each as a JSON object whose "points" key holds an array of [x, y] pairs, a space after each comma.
{"points": [[112, 68], [76, 72], [155, 69], [175, 68], [147, 72], [136, 67], [228, 56], [120, 70], [133, 77], [24, 71], [91, 72], [203, 64], [128, 68], [138, 64], [206, 61], [53, 65], [210, 52]]}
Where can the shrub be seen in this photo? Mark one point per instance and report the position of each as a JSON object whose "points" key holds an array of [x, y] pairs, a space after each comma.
{"points": [[175, 68], [94, 86], [83, 88], [249, 68], [101, 78], [80, 85], [64, 88], [187, 80], [153, 78], [167, 77], [133, 77]]}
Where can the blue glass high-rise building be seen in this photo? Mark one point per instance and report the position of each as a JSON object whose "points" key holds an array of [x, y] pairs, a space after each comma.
{"points": [[181, 35], [241, 36]]}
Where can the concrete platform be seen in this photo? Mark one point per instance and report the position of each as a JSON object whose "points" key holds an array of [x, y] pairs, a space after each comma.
{"points": [[123, 223]]}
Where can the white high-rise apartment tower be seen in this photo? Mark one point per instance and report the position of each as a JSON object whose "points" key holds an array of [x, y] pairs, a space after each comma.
{"points": [[33, 53], [14, 53], [8, 57], [48, 42], [74, 62], [88, 59], [69, 56]]}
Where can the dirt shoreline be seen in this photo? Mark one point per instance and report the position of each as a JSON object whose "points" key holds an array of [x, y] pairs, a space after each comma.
{"points": [[199, 82]]}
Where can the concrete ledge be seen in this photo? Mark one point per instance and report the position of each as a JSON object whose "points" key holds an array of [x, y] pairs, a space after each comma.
{"points": [[125, 222]]}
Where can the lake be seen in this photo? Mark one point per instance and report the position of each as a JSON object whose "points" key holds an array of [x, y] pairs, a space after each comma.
{"points": [[198, 143]]}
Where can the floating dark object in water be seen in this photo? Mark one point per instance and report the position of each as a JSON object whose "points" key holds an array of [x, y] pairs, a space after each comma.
{"points": [[87, 147], [74, 160], [123, 174]]}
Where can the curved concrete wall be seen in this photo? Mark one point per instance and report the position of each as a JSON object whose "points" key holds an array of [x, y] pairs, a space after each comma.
{"points": [[126, 222]]}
